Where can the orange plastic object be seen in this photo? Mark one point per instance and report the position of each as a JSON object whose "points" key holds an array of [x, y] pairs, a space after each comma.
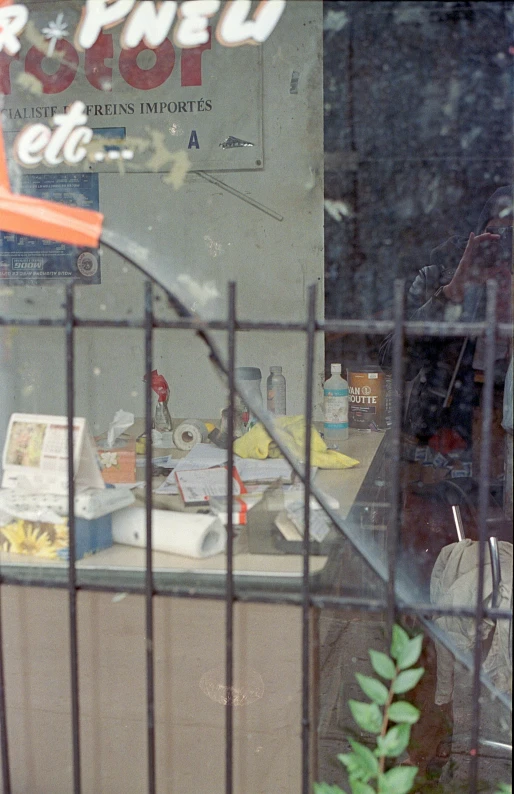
{"points": [[48, 219]]}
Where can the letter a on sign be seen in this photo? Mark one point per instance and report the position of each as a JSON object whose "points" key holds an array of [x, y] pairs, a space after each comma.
{"points": [[193, 140]]}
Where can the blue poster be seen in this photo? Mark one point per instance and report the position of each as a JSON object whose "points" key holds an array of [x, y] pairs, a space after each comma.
{"points": [[31, 260]]}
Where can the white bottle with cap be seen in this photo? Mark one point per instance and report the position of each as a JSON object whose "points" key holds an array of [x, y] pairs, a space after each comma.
{"points": [[335, 408]]}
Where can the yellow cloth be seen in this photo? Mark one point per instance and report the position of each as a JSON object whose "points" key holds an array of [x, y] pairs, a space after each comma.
{"points": [[291, 430]]}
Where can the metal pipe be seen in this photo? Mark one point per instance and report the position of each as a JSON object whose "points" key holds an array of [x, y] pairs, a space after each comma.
{"points": [[495, 571], [459, 526], [496, 745]]}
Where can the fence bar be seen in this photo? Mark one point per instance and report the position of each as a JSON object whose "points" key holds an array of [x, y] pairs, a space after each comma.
{"points": [[306, 602], [149, 590], [483, 504], [6, 773], [396, 429], [229, 592], [72, 575], [344, 327]]}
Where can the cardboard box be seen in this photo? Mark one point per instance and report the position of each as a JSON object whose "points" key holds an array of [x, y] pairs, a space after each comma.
{"points": [[118, 463], [51, 541]]}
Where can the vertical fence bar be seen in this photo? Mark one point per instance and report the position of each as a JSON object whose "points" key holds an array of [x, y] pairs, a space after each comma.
{"points": [[229, 591], [483, 504], [149, 633], [72, 575], [6, 773], [306, 725], [396, 429]]}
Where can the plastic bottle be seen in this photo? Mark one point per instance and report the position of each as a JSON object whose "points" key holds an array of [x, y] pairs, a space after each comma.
{"points": [[335, 408], [276, 391]]}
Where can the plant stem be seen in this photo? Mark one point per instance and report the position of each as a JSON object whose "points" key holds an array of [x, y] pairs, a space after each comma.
{"points": [[385, 721]]}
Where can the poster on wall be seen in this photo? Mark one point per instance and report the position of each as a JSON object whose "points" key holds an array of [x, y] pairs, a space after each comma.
{"points": [[204, 102], [31, 260]]}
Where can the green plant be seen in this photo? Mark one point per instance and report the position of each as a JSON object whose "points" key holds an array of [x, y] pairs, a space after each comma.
{"points": [[367, 770]]}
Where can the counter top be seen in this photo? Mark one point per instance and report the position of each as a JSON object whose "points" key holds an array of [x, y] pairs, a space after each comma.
{"points": [[124, 566]]}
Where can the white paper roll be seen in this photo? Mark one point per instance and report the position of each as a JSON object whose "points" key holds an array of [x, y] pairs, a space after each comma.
{"points": [[187, 534], [190, 433]]}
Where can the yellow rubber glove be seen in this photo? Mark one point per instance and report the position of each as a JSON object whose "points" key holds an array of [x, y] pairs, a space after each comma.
{"points": [[291, 430]]}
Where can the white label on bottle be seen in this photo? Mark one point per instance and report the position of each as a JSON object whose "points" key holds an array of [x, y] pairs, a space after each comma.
{"points": [[335, 407], [372, 375]]}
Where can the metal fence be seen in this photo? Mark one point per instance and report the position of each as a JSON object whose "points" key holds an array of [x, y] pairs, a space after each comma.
{"points": [[396, 602]]}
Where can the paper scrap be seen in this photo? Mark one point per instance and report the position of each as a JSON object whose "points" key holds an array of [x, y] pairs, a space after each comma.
{"points": [[202, 456], [267, 470]]}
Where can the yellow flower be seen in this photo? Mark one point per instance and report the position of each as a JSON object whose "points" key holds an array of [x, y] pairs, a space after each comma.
{"points": [[61, 536], [24, 538]]}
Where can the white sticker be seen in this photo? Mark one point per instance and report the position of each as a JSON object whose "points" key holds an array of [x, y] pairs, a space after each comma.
{"points": [[87, 264]]}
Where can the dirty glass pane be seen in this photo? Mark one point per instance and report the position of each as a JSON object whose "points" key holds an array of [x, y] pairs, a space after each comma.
{"points": [[199, 195]]}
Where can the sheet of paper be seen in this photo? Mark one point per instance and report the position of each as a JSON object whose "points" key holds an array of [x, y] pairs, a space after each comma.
{"points": [[198, 485], [169, 486], [202, 456], [263, 470]]}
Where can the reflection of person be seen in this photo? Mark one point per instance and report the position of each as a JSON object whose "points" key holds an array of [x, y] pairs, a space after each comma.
{"points": [[452, 287]]}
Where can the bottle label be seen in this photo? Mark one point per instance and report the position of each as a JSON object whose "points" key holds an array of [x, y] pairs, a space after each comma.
{"points": [[335, 408]]}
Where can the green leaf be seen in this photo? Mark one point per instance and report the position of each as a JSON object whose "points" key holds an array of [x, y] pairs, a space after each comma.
{"points": [[324, 788], [504, 788], [358, 787], [367, 715], [394, 742], [382, 664], [399, 642], [398, 780], [411, 652], [401, 711], [407, 680], [353, 764], [366, 756], [361, 764], [374, 689]]}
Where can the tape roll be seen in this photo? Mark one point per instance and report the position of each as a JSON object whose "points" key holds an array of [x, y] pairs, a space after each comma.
{"points": [[190, 433]]}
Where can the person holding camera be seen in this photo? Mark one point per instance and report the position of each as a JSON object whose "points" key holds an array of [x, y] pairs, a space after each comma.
{"points": [[442, 373]]}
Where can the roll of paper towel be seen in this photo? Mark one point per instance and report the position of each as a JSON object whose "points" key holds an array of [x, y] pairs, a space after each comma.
{"points": [[187, 534], [190, 433]]}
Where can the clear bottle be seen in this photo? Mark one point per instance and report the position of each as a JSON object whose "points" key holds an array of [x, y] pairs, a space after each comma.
{"points": [[335, 408], [276, 391], [162, 418]]}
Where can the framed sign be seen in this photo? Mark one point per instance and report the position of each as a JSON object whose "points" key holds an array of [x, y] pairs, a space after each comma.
{"points": [[204, 101]]}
